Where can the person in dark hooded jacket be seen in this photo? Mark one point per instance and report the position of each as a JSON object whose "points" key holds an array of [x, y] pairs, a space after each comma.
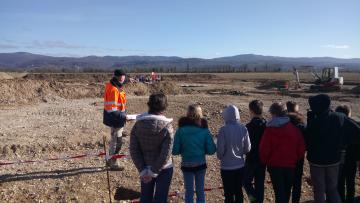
{"points": [[254, 169], [326, 134], [281, 147], [348, 170]]}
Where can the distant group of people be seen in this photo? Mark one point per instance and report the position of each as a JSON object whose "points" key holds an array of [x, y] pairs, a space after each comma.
{"points": [[331, 139], [153, 77]]}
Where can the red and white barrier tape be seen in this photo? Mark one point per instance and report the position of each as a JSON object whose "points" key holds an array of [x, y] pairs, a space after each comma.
{"points": [[88, 155], [177, 194]]}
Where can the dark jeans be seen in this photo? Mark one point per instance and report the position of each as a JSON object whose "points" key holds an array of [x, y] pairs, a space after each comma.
{"points": [[232, 183], [282, 181], [296, 192], [347, 177], [255, 171], [325, 180], [161, 184]]}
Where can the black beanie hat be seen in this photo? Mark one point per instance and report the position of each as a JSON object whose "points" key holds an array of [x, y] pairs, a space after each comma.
{"points": [[319, 103], [119, 72]]}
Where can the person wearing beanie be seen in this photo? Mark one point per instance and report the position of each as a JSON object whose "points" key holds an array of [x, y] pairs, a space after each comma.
{"points": [[326, 134], [114, 115], [232, 144]]}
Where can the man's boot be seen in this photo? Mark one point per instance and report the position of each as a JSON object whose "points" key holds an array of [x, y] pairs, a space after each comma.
{"points": [[113, 165]]}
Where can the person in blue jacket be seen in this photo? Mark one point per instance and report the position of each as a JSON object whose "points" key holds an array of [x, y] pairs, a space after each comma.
{"points": [[193, 141]]}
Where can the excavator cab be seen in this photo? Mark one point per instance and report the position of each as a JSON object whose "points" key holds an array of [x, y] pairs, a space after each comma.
{"points": [[328, 74], [329, 80]]}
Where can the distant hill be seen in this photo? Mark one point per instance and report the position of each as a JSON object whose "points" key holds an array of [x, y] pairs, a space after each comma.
{"points": [[245, 62]]}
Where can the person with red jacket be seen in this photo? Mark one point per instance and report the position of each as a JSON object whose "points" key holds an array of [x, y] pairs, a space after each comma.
{"points": [[281, 146]]}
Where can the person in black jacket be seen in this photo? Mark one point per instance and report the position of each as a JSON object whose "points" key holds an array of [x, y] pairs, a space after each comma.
{"points": [[254, 169], [326, 133], [298, 120], [348, 172]]}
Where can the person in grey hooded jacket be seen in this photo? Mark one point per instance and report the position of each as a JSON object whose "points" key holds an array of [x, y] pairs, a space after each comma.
{"points": [[232, 144]]}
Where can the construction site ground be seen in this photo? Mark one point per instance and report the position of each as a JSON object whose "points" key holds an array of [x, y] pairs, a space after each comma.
{"points": [[55, 115]]}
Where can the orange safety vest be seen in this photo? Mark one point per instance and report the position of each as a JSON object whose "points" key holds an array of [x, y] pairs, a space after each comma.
{"points": [[114, 100]]}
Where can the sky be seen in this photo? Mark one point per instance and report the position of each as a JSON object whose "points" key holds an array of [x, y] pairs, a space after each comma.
{"points": [[185, 28]]}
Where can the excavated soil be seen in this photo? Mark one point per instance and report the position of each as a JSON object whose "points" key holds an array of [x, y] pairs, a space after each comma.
{"points": [[5, 76], [50, 115]]}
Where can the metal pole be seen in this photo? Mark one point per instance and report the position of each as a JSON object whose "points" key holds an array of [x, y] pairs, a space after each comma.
{"points": [[107, 170]]}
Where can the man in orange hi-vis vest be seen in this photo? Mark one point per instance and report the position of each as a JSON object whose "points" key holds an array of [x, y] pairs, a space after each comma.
{"points": [[114, 114]]}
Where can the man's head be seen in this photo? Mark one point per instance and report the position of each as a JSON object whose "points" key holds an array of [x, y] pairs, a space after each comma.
{"points": [[277, 109], [157, 103], [120, 75], [320, 103], [256, 108], [345, 109], [292, 107]]}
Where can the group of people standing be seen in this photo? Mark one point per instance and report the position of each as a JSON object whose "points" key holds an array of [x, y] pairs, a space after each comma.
{"points": [[331, 139]]}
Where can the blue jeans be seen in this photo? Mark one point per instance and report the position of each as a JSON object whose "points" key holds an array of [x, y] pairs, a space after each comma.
{"points": [[161, 184], [199, 177]]}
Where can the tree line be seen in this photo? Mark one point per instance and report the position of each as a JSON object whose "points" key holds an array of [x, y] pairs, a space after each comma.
{"points": [[159, 69]]}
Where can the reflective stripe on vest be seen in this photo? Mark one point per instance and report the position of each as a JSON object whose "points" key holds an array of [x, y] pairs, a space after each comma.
{"points": [[113, 103], [113, 110]]}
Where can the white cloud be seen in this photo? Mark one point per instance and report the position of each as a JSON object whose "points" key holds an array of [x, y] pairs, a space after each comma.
{"points": [[337, 46], [54, 44], [48, 45], [8, 46]]}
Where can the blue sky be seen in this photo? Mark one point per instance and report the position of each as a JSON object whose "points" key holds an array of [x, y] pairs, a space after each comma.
{"points": [[186, 28]]}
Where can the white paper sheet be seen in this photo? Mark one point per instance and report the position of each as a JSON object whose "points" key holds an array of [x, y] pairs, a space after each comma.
{"points": [[131, 116]]}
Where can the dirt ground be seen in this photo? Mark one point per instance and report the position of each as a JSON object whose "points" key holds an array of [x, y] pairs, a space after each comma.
{"points": [[51, 115]]}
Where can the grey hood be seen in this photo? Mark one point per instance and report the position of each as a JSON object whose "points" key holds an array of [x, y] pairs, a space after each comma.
{"points": [[233, 140], [278, 122], [231, 114]]}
